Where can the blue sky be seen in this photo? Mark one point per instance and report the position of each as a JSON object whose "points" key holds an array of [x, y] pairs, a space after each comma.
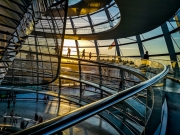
{"points": [[156, 46]]}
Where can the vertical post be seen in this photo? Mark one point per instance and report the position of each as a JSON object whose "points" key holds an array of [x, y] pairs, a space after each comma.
{"points": [[111, 25], [171, 49], [71, 131], [117, 47], [59, 93], [78, 55], [122, 78], [108, 16], [124, 111], [58, 52], [141, 50], [164, 85], [37, 64], [116, 43], [169, 42], [97, 52], [79, 64]]}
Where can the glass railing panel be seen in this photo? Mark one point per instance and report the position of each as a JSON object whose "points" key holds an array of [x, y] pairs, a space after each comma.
{"points": [[134, 69]]}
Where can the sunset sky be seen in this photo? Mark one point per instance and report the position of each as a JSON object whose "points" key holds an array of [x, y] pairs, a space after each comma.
{"points": [[127, 50]]}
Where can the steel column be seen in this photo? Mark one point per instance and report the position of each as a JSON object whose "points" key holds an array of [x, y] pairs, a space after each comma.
{"points": [[59, 99], [140, 45], [78, 55], [117, 48], [112, 25], [97, 52], [58, 51], [169, 42], [37, 64], [122, 78], [116, 43]]}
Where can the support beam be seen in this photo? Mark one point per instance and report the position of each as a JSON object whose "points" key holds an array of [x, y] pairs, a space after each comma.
{"points": [[122, 78], [97, 51], [58, 53], [117, 47], [109, 17], [116, 43], [169, 42], [141, 50], [37, 63], [59, 99], [112, 25], [78, 55]]}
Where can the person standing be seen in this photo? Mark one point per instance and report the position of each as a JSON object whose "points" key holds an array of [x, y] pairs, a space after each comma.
{"points": [[69, 52], [83, 54], [40, 119], [4, 115], [47, 98], [15, 119], [90, 56], [146, 59], [14, 99], [11, 114], [57, 49], [146, 56], [120, 85], [22, 125], [9, 101], [36, 117]]}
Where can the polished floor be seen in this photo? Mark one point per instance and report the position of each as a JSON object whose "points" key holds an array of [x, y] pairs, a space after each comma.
{"points": [[27, 109], [172, 94]]}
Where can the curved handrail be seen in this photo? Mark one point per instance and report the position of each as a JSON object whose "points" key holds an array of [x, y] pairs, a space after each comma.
{"points": [[112, 63], [60, 123]]}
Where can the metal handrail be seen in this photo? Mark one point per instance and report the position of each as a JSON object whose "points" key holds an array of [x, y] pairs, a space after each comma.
{"points": [[60, 123]]}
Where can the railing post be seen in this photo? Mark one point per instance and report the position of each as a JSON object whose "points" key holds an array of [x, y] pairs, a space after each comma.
{"points": [[97, 52], [78, 55], [164, 85], [59, 93], [124, 111], [122, 78], [37, 64]]}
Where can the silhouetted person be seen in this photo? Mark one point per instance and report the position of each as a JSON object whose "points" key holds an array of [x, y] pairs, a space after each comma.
{"points": [[15, 119], [89, 55], [22, 126], [57, 49], [47, 98], [9, 101], [120, 85], [40, 119], [14, 102], [69, 52], [36, 117], [146, 56], [83, 54], [4, 115], [11, 114], [14, 99]]}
